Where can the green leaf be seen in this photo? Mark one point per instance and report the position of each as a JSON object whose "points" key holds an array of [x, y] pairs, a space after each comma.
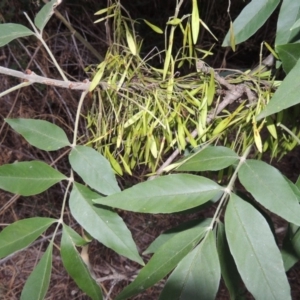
{"points": [[22, 233], [296, 242], [268, 186], [286, 95], [252, 17], [39, 133], [295, 188], [296, 24], [37, 283], [229, 271], [77, 269], [255, 252], [103, 224], [11, 31], [164, 237], [289, 13], [288, 253], [94, 169], [153, 27], [297, 183], [195, 21], [164, 260], [97, 77], [174, 21], [197, 276], [289, 54], [130, 40], [209, 159], [45, 14], [76, 238], [28, 178], [165, 194]]}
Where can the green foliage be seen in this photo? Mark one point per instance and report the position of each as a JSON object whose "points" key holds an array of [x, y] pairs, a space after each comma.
{"points": [[165, 194], [252, 17], [40, 134], [113, 234], [28, 178], [286, 95], [165, 259], [199, 252], [93, 168], [37, 283], [229, 270], [146, 114], [255, 243], [272, 191], [197, 276], [289, 54], [288, 16], [44, 15], [210, 158], [11, 31], [77, 268], [22, 233]]}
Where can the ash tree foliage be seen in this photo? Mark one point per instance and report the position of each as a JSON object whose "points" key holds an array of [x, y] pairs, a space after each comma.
{"points": [[237, 243]]}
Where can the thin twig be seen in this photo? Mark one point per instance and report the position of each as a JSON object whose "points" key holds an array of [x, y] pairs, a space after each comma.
{"points": [[77, 35]]}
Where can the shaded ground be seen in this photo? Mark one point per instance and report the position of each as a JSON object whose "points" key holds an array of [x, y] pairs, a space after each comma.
{"points": [[59, 106]]}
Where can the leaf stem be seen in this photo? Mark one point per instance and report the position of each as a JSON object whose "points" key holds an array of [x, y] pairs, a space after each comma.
{"points": [[40, 37], [83, 94], [14, 88], [229, 188], [70, 182], [60, 220]]}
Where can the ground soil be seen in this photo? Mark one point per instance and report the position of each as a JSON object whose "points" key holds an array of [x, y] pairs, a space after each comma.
{"points": [[112, 271]]}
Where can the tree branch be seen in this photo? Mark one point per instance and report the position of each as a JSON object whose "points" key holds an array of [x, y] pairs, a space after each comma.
{"points": [[31, 77]]}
